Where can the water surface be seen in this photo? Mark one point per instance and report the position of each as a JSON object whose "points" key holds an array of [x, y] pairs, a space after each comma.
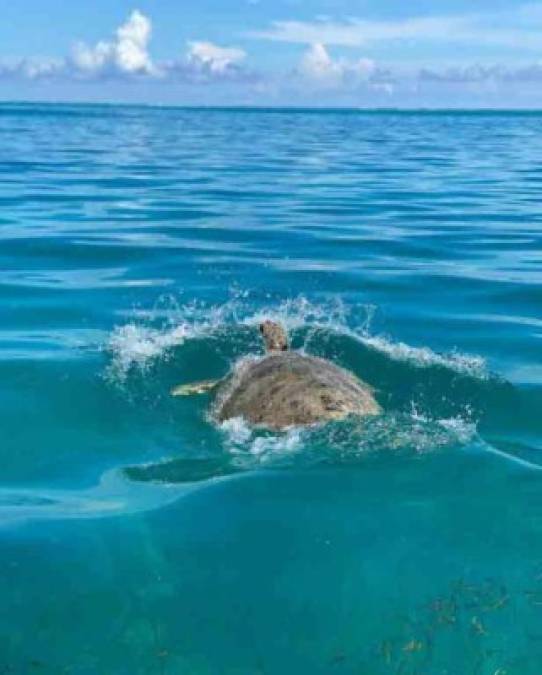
{"points": [[139, 248]]}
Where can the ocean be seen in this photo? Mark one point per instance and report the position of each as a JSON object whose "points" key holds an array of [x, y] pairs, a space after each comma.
{"points": [[139, 249]]}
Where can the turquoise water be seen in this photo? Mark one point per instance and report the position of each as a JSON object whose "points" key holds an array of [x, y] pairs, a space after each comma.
{"points": [[139, 247]]}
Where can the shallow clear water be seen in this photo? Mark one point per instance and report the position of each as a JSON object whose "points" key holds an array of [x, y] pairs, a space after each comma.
{"points": [[139, 247]]}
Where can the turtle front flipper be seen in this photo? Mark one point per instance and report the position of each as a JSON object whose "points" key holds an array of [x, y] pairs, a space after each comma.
{"points": [[195, 388]]}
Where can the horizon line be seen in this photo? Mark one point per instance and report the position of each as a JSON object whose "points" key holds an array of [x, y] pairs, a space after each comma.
{"points": [[271, 108]]}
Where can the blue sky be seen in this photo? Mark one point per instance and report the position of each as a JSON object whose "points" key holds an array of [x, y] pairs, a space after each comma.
{"points": [[286, 52]]}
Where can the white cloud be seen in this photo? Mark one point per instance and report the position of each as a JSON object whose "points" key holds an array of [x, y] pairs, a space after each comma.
{"points": [[126, 54], [132, 41], [91, 59], [32, 69], [356, 32], [213, 58], [506, 30], [480, 74], [321, 76], [317, 65]]}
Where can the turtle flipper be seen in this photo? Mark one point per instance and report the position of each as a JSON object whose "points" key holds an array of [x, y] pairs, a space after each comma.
{"points": [[194, 388]]}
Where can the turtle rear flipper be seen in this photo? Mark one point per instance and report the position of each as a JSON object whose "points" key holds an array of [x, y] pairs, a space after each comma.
{"points": [[193, 388]]}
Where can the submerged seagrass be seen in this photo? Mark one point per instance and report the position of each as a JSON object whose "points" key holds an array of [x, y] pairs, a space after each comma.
{"points": [[286, 388]]}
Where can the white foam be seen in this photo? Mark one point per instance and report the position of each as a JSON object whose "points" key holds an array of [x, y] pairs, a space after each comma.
{"points": [[290, 441], [300, 312], [133, 345], [334, 315], [457, 429], [424, 357], [137, 344], [237, 431], [351, 439], [243, 440], [463, 430], [398, 432]]}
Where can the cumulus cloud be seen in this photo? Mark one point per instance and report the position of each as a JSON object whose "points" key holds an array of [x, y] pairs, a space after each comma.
{"points": [[126, 54], [319, 70], [318, 66], [207, 56]]}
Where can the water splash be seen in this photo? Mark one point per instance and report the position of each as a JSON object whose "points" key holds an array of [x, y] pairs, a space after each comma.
{"points": [[351, 440], [424, 357], [405, 430], [138, 344], [257, 447], [133, 345]]}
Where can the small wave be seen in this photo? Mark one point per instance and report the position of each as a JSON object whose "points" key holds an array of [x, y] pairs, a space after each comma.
{"points": [[350, 439], [139, 344], [355, 322], [423, 357], [132, 345], [399, 433], [246, 450], [300, 312], [114, 495], [510, 457]]}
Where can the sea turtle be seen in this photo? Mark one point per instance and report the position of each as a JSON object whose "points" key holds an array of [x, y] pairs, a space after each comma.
{"points": [[285, 388]]}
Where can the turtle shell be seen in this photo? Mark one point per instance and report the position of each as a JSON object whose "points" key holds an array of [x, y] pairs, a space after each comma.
{"points": [[292, 389]]}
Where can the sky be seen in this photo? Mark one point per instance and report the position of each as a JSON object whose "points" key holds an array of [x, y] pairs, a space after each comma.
{"points": [[354, 53]]}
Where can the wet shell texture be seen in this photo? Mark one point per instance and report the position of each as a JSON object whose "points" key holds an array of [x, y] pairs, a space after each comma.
{"points": [[288, 389]]}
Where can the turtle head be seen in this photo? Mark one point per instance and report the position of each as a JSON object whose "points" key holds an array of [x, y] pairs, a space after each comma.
{"points": [[274, 336]]}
